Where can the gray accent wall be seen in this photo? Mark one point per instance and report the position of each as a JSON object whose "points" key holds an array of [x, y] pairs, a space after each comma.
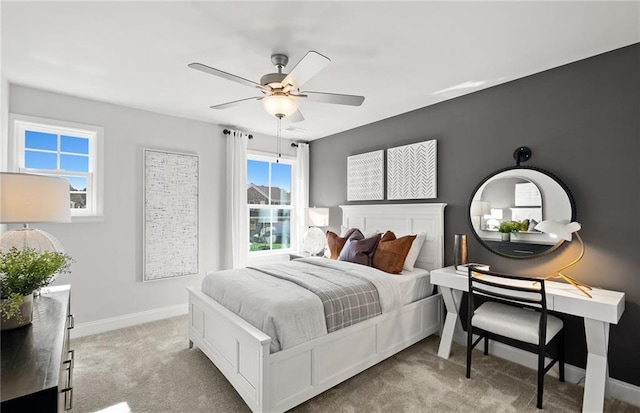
{"points": [[582, 122]]}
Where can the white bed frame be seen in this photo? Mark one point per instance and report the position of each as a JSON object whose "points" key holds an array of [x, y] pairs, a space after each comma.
{"points": [[279, 381]]}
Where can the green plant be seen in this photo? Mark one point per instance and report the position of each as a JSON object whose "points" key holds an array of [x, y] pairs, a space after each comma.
{"points": [[23, 271], [510, 226]]}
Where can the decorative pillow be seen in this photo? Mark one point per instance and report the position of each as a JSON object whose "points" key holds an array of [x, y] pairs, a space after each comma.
{"points": [[336, 242], [412, 256], [359, 249], [391, 252]]}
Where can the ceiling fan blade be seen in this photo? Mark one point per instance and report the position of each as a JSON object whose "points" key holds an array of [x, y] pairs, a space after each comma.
{"points": [[312, 63], [228, 76], [295, 117], [235, 102], [351, 100]]}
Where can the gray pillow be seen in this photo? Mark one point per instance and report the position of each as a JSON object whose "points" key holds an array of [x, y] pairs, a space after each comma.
{"points": [[359, 249]]}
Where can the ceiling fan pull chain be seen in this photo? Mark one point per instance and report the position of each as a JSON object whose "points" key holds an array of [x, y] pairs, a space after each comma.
{"points": [[278, 140]]}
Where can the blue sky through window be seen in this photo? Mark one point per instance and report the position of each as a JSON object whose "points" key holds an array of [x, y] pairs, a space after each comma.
{"points": [[281, 176], [74, 145], [258, 174], [41, 152], [40, 160], [40, 140]]}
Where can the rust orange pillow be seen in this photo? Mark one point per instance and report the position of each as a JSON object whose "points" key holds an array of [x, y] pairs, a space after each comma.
{"points": [[391, 252], [335, 243]]}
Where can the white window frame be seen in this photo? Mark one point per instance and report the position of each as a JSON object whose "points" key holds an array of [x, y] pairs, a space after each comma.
{"points": [[289, 160], [95, 177]]}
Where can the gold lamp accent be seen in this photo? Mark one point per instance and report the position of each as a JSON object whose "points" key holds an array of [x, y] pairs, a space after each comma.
{"points": [[560, 230]]}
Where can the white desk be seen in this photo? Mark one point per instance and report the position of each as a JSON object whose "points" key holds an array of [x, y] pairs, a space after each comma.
{"points": [[599, 312]]}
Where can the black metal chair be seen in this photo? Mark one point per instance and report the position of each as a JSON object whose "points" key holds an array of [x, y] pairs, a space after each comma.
{"points": [[515, 314]]}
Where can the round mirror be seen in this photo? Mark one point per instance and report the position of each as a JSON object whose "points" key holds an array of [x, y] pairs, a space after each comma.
{"points": [[507, 205]]}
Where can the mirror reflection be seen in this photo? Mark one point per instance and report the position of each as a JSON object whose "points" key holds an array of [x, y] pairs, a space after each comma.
{"points": [[507, 205]]}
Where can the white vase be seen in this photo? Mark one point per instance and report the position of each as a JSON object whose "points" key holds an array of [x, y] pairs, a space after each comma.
{"points": [[506, 236], [24, 318]]}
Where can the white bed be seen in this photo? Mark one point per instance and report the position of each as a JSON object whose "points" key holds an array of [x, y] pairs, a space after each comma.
{"points": [[276, 382]]}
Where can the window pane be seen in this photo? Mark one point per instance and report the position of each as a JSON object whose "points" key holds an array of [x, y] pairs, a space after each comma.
{"points": [[40, 140], [40, 160], [74, 163], [282, 229], [257, 182], [78, 191], [260, 229], [79, 200], [76, 183], [73, 144], [280, 184]]}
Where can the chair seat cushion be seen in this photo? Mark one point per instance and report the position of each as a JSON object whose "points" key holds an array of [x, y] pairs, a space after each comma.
{"points": [[514, 322]]}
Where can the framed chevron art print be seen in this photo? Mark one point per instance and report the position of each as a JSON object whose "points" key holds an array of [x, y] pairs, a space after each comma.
{"points": [[365, 176], [411, 171]]}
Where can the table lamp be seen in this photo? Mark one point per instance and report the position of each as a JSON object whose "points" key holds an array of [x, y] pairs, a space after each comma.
{"points": [[478, 210], [561, 230], [314, 239], [27, 198]]}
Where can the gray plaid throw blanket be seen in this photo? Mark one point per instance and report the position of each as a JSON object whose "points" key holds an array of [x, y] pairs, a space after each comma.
{"points": [[347, 299]]}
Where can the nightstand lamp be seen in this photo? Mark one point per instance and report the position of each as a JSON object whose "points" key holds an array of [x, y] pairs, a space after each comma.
{"points": [[314, 239], [27, 198], [557, 229]]}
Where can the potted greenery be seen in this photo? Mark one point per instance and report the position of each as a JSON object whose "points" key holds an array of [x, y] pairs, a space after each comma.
{"points": [[507, 227], [23, 272]]}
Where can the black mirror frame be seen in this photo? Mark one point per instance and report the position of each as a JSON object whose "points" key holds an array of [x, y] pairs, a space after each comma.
{"points": [[533, 168]]}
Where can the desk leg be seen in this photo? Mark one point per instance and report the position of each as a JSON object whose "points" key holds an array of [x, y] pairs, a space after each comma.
{"points": [[452, 324], [597, 334]]}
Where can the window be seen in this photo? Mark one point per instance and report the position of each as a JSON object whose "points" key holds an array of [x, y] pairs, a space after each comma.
{"points": [[67, 150], [270, 203]]}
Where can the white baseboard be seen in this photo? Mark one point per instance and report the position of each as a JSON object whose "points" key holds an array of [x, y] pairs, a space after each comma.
{"points": [[128, 320], [617, 389]]}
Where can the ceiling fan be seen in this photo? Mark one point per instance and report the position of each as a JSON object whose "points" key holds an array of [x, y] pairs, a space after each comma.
{"points": [[281, 91]]}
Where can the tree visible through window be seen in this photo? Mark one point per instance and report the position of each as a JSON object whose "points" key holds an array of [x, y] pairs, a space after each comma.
{"points": [[269, 199]]}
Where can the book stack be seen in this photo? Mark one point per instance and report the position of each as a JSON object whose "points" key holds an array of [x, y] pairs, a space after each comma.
{"points": [[463, 269]]}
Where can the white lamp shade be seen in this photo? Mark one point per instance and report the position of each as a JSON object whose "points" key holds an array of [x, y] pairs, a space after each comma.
{"points": [[26, 198], [318, 217], [558, 229], [279, 105]]}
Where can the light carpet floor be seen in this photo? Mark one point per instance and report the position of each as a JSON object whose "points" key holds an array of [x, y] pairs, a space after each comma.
{"points": [[150, 369]]}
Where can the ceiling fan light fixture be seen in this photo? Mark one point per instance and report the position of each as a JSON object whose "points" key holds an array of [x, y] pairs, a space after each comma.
{"points": [[280, 105]]}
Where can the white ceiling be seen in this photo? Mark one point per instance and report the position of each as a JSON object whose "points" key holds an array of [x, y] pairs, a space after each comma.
{"points": [[400, 56]]}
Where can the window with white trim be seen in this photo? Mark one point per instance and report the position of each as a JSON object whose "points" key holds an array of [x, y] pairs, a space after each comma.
{"points": [[270, 203], [63, 149]]}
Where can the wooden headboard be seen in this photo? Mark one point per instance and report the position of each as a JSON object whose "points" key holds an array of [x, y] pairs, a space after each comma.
{"points": [[403, 219]]}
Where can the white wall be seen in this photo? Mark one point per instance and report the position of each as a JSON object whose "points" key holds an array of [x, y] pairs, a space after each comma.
{"points": [[106, 282], [106, 279]]}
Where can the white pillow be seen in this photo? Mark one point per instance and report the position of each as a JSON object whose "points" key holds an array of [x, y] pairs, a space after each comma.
{"points": [[412, 256]]}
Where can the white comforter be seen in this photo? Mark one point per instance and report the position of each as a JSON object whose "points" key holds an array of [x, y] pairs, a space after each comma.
{"points": [[286, 312]]}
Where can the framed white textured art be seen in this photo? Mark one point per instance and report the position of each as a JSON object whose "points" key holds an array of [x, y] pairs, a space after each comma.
{"points": [[411, 171], [365, 176], [170, 215]]}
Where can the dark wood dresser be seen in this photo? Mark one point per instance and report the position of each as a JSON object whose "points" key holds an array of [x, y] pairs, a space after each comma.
{"points": [[37, 364]]}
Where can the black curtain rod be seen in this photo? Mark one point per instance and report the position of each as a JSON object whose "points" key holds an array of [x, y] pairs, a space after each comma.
{"points": [[228, 132]]}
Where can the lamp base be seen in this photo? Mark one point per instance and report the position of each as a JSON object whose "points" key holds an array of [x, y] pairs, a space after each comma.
{"points": [[579, 285], [314, 240], [32, 238]]}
